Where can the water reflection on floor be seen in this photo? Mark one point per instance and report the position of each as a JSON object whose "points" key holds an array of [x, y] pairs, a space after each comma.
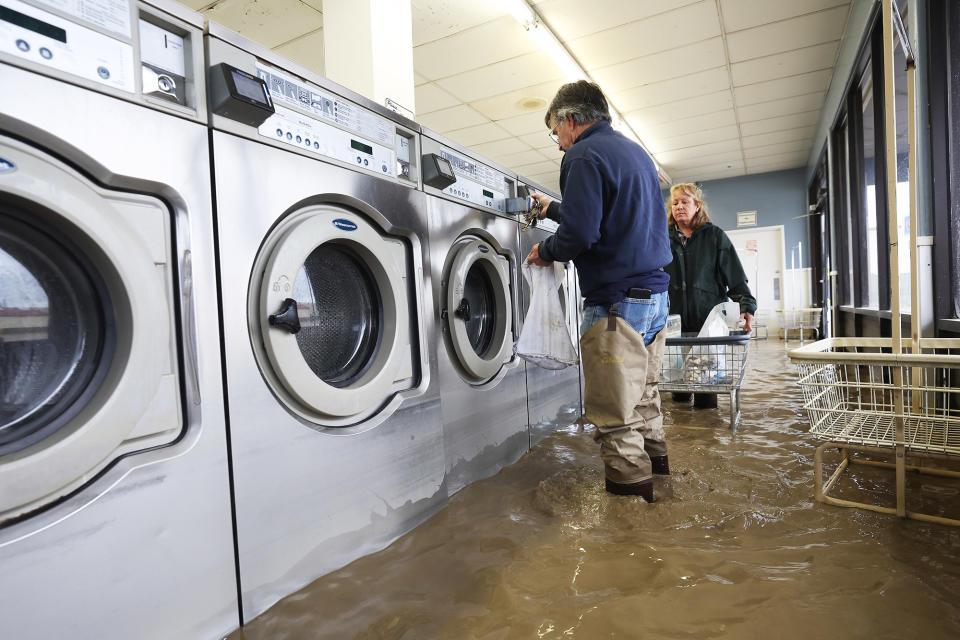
{"points": [[735, 547]]}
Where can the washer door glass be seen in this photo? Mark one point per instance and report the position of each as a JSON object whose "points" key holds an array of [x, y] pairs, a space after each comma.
{"points": [[340, 313], [55, 332], [479, 297]]}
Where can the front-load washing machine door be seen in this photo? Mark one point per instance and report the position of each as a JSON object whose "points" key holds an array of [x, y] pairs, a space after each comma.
{"points": [[88, 367], [330, 313], [479, 309]]}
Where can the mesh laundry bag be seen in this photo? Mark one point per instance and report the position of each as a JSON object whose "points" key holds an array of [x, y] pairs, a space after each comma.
{"points": [[545, 340]]}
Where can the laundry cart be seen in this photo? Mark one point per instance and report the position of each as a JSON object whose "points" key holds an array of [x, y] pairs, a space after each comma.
{"points": [[800, 320], [861, 398], [706, 365]]}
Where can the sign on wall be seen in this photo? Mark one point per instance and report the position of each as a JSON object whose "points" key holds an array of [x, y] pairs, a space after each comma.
{"points": [[746, 218]]}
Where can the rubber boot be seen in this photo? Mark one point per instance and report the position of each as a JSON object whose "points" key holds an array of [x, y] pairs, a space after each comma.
{"points": [[682, 397], [704, 401], [644, 489], [661, 466]]}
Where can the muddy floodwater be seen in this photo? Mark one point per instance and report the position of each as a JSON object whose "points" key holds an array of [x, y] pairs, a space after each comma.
{"points": [[735, 546]]}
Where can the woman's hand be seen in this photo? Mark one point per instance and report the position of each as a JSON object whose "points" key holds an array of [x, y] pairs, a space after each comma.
{"points": [[747, 321]]}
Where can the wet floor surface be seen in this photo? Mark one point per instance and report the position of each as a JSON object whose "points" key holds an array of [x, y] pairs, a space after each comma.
{"points": [[735, 546]]}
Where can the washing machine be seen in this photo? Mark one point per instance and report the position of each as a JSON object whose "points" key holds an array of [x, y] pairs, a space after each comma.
{"points": [[115, 514], [474, 253], [554, 399], [337, 445]]}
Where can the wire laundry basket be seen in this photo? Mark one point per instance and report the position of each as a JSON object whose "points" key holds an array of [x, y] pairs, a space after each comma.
{"points": [[861, 397], [800, 320], [706, 365]]}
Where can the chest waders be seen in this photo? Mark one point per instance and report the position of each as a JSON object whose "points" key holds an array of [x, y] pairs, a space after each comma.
{"points": [[621, 377]]}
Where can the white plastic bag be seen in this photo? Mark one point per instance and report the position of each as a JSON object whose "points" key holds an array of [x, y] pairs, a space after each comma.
{"points": [[544, 339], [706, 364]]}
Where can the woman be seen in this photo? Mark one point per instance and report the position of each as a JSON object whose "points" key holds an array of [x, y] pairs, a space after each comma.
{"points": [[705, 270]]}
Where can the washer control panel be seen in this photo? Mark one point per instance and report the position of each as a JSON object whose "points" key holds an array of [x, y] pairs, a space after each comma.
{"points": [[120, 47], [476, 182], [320, 122], [52, 41]]}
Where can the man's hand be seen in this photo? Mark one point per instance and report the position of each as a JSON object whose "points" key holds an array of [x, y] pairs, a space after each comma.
{"points": [[544, 203], [747, 321], [534, 257]]}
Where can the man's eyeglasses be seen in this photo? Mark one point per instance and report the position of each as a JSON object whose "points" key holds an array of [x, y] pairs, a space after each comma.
{"points": [[553, 133]]}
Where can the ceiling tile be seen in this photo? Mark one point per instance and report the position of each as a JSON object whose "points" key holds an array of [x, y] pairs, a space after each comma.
{"points": [[487, 132], [500, 147], [435, 19], [742, 14], [575, 18], [536, 168], [783, 160], [726, 158], [689, 125], [268, 23], [501, 77], [776, 124], [657, 144], [548, 180], [690, 86], [429, 97], [473, 48], [709, 173], [797, 146], [680, 61], [521, 158], [783, 87], [307, 51], [529, 123], [692, 154], [451, 119], [821, 56], [788, 135], [538, 139], [787, 35], [661, 32], [706, 103], [782, 107], [535, 98]]}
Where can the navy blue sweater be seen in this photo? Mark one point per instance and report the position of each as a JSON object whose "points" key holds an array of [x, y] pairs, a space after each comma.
{"points": [[612, 220]]}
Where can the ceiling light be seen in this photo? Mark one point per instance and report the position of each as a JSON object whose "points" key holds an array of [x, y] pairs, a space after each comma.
{"points": [[523, 13]]}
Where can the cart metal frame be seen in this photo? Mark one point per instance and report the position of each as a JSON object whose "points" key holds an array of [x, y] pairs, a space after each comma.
{"points": [[863, 398], [707, 365]]}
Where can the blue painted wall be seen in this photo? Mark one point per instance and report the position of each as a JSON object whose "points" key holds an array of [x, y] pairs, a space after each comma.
{"points": [[778, 197]]}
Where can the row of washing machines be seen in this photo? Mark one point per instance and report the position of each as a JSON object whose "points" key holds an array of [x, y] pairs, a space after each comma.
{"points": [[252, 325]]}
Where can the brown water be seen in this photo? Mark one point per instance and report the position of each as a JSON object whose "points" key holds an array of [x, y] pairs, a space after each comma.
{"points": [[735, 547]]}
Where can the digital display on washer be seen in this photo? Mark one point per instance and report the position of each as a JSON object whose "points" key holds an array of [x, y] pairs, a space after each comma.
{"points": [[359, 146], [31, 23], [248, 87], [488, 194]]}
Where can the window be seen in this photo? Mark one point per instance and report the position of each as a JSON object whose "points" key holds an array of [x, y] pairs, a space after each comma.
{"points": [[868, 181]]}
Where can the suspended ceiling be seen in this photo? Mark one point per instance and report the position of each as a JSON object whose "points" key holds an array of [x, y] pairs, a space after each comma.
{"points": [[713, 88]]}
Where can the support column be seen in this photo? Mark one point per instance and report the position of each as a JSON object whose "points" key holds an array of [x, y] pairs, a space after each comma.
{"points": [[368, 47]]}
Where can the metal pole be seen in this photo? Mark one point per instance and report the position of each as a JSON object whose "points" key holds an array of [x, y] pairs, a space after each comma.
{"points": [[890, 144]]}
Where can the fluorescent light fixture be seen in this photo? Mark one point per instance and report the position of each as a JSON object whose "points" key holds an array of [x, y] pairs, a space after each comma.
{"points": [[557, 52], [523, 13]]}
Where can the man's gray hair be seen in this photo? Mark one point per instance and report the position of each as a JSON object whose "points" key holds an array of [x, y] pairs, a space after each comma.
{"points": [[581, 99]]}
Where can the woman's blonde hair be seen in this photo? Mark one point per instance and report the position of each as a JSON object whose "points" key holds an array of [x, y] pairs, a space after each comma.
{"points": [[688, 189]]}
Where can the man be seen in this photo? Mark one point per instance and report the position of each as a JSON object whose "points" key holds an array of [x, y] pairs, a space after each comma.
{"points": [[613, 227]]}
